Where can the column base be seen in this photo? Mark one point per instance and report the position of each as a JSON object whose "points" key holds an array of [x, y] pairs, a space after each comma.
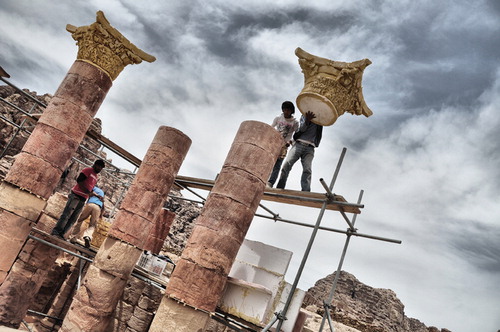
{"points": [[176, 316]]}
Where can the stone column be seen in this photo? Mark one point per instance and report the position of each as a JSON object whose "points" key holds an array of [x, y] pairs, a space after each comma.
{"points": [[201, 273], [37, 169], [103, 53], [107, 276]]}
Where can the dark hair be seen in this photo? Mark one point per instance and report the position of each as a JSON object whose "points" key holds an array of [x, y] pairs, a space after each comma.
{"points": [[99, 162], [288, 105]]}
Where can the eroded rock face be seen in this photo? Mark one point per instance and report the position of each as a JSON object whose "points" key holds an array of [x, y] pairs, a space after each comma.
{"points": [[363, 307]]}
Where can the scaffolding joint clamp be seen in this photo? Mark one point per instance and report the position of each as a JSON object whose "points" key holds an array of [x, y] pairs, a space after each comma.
{"points": [[280, 316], [330, 197], [351, 231]]}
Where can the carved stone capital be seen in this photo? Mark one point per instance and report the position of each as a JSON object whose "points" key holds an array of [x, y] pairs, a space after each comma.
{"points": [[331, 88], [105, 47]]}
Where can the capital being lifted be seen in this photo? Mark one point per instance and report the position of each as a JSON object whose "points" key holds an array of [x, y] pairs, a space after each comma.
{"points": [[105, 47], [331, 88]]}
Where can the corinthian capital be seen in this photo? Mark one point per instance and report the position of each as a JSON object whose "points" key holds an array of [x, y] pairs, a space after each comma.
{"points": [[105, 47], [331, 88]]}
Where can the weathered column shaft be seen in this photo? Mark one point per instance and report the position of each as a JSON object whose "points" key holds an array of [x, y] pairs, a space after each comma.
{"points": [[19, 209], [201, 273], [38, 168], [60, 130], [107, 276], [24, 281]]}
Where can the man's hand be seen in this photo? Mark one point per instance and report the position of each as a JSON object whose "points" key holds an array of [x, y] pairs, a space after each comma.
{"points": [[309, 116]]}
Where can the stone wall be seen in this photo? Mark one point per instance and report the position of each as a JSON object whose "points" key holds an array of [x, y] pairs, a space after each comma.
{"points": [[136, 309]]}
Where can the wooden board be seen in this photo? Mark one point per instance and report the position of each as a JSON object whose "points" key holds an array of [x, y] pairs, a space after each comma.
{"points": [[62, 243], [302, 198]]}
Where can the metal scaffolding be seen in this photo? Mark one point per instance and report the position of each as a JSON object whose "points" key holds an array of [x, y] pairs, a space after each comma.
{"points": [[329, 201]]}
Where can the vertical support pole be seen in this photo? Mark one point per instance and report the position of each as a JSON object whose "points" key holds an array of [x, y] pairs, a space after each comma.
{"points": [[339, 268], [311, 241]]}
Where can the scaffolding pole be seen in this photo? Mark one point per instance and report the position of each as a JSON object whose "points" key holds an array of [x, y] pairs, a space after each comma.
{"points": [[276, 217], [327, 303], [282, 315]]}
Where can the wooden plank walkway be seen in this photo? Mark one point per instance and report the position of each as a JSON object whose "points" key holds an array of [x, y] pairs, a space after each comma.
{"points": [[302, 198]]}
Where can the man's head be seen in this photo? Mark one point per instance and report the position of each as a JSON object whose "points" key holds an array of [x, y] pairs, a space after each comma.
{"points": [[98, 165], [287, 108]]}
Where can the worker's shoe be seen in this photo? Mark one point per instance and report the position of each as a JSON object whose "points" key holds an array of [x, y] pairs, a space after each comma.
{"points": [[87, 240]]}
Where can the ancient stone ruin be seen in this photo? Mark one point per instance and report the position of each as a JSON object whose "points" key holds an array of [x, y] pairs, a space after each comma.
{"points": [[213, 279]]}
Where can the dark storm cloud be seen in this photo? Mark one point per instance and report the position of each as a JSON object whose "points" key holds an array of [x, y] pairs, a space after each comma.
{"points": [[445, 64], [161, 38], [478, 244], [433, 87], [35, 69], [227, 36]]}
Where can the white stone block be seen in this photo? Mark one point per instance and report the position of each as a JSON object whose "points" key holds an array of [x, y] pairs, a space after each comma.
{"points": [[257, 267], [259, 254], [294, 307], [246, 300]]}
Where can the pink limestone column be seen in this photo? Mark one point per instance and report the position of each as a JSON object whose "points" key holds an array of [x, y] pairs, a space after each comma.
{"points": [[37, 169], [102, 55], [201, 273], [107, 276]]}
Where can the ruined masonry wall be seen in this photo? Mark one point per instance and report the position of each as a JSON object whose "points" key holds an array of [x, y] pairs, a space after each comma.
{"points": [[136, 309]]}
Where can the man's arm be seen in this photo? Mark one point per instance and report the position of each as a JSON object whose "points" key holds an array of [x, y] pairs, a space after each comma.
{"points": [[79, 181], [305, 121], [275, 122]]}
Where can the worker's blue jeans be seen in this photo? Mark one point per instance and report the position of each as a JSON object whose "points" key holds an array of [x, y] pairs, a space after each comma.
{"points": [[305, 153]]}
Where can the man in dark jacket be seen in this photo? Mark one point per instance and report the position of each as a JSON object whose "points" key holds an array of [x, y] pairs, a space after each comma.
{"points": [[307, 137]]}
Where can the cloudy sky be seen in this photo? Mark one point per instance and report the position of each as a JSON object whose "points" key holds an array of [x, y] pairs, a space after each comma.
{"points": [[427, 160]]}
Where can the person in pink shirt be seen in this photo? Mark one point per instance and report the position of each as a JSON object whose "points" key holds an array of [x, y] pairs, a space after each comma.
{"points": [[86, 181]]}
